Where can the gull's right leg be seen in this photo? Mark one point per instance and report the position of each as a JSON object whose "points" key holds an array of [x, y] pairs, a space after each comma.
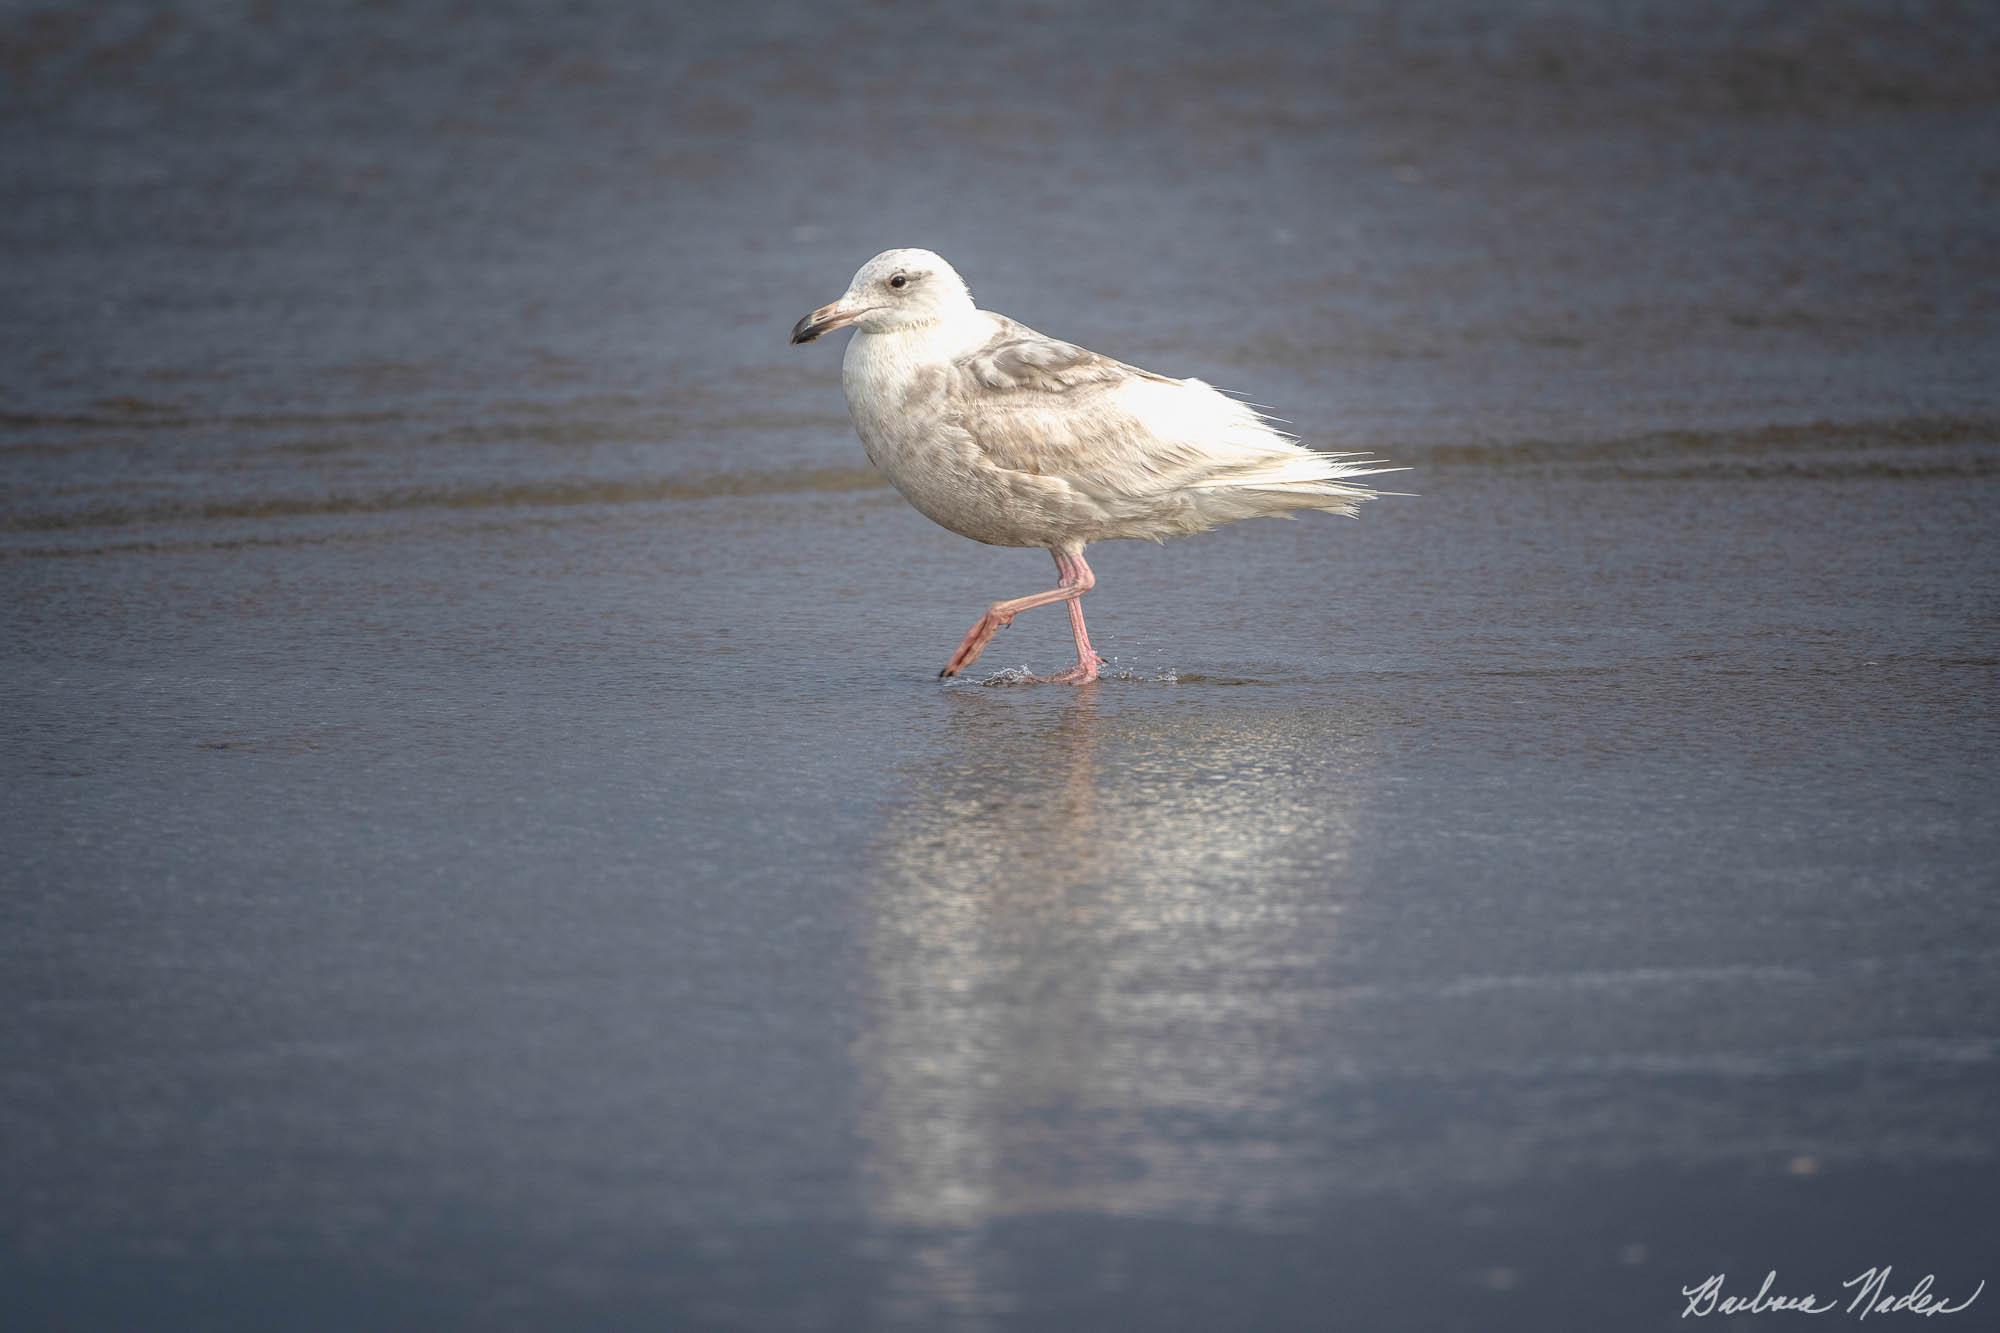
{"points": [[1074, 570], [1076, 580]]}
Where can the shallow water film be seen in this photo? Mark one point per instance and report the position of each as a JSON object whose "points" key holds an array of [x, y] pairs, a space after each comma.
{"points": [[486, 846]]}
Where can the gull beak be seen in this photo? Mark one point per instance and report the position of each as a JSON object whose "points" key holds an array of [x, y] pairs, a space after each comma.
{"points": [[824, 320]]}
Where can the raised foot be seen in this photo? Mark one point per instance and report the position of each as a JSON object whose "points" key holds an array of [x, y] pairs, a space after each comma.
{"points": [[975, 643]]}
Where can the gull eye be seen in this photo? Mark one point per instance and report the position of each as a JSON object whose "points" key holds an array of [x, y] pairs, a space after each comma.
{"points": [[900, 281]]}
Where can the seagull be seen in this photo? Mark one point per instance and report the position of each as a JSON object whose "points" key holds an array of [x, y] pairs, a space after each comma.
{"points": [[1014, 438]]}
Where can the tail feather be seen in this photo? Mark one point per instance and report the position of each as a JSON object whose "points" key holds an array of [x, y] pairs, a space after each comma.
{"points": [[1239, 463], [1301, 478]]}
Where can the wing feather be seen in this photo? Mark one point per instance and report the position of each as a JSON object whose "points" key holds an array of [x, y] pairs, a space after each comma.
{"points": [[1038, 405], [1113, 450], [1042, 406]]}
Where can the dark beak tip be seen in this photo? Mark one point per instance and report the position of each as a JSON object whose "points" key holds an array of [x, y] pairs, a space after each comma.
{"points": [[804, 331]]}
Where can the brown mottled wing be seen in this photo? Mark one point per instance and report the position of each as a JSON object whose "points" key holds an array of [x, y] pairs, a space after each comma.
{"points": [[1017, 357], [1038, 405]]}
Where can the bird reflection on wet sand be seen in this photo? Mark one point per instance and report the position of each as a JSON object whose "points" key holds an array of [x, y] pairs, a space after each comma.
{"points": [[1079, 953]]}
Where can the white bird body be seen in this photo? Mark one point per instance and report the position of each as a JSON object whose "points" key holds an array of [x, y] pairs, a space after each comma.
{"points": [[1013, 438]]}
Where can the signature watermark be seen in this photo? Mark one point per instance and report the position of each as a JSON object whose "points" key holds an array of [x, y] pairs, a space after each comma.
{"points": [[1869, 1294]]}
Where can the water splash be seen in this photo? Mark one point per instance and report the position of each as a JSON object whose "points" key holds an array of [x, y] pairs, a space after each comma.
{"points": [[1163, 675], [1113, 670]]}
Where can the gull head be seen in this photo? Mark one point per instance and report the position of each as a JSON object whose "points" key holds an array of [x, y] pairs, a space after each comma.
{"points": [[897, 289]]}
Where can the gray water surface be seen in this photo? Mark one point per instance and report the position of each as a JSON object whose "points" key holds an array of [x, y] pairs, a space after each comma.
{"points": [[485, 843]]}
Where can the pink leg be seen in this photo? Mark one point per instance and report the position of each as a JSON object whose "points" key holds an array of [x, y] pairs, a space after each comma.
{"points": [[1075, 579], [1087, 660]]}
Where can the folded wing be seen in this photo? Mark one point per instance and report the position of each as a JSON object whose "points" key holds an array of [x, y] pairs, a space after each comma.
{"points": [[1156, 455]]}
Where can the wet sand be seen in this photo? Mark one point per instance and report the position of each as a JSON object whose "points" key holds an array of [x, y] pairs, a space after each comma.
{"points": [[486, 846]]}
